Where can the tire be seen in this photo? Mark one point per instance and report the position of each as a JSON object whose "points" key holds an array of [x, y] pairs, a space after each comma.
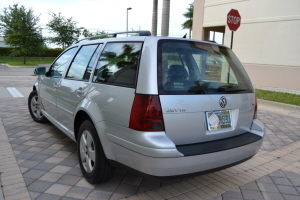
{"points": [[35, 109], [93, 163]]}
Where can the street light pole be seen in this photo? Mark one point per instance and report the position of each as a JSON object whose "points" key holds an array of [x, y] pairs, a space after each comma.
{"points": [[127, 21]]}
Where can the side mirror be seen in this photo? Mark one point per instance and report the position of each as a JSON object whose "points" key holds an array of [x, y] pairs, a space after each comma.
{"points": [[40, 70]]}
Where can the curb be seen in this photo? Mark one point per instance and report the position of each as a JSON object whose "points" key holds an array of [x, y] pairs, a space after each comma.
{"points": [[11, 66], [278, 107], [277, 89], [39, 65], [13, 185]]}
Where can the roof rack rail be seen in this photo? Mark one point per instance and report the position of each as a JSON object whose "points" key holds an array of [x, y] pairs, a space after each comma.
{"points": [[211, 41], [141, 33]]}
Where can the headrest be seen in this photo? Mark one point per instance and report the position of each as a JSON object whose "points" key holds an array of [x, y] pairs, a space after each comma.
{"points": [[177, 71]]}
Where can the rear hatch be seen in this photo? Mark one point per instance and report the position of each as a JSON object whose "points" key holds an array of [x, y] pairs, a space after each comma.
{"points": [[204, 91]]}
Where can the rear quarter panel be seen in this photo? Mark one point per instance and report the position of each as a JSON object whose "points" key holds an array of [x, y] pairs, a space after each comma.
{"points": [[109, 103]]}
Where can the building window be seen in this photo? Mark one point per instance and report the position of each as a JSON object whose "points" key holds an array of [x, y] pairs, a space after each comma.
{"points": [[218, 37]]}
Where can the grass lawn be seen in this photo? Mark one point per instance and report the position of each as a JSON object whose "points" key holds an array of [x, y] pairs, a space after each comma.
{"points": [[280, 97], [30, 61]]}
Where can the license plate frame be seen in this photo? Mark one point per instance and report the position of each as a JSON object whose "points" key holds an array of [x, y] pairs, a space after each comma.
{"points": [[218, 119]]}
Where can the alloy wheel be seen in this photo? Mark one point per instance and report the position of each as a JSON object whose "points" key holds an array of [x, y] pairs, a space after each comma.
{"points": [[35, 107], [87, 151]]}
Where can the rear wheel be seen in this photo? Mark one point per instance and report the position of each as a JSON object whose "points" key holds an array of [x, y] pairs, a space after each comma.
{"points": [[35, 108], [93, 163]]}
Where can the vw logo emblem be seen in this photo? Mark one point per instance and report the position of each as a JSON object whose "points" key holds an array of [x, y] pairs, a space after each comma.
{"points": [[223, 102]]}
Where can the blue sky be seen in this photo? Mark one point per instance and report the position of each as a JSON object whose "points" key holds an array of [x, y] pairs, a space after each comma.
{"points": [[108, 15]]}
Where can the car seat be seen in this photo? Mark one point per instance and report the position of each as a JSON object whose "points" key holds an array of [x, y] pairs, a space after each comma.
{"points": [[177, 78]]}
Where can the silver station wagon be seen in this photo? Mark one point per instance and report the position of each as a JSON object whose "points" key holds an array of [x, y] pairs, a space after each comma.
{"points": [[161, 106]]}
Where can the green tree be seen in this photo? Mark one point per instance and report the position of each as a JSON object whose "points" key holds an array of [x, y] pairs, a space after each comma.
{"points": [[20, 30], [188, 24], [101, 33], [87, 33], [65, 30]]}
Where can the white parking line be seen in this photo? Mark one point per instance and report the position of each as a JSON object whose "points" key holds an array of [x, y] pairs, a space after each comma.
{"points": [[14, 92]]}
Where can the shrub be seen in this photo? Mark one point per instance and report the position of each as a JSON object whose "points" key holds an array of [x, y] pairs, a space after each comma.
{"points": [[52, 52], [6, 51]]}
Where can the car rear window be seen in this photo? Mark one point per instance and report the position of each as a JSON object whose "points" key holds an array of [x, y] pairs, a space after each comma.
{"points": [[188, 67]]}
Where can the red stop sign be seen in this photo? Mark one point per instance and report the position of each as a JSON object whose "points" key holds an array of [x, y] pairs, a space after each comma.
{"points": [[233, 19]]}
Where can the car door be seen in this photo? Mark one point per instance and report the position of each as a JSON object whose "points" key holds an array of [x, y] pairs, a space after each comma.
{"points": [[73, 88], [49, 83]]}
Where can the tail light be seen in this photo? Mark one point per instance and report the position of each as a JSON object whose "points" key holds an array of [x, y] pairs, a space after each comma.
{"points": [[146, 114], [255, 108]]}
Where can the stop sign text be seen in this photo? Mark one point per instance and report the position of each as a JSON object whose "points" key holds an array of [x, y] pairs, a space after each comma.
{"points": [[233, 20]]}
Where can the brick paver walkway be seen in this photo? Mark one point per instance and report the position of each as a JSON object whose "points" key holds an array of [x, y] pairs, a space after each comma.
{"points": [[37, 161]]}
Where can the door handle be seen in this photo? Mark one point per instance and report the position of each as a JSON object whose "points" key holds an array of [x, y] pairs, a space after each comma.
{"points": [[55, 86], [80, 91]]}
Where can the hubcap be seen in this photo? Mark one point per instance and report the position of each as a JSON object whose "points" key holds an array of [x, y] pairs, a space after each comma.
{"points": [[35, 107], [87, 151]]}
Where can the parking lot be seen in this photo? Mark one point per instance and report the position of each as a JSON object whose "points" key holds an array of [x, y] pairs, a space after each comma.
{"points": [[37, 161]]}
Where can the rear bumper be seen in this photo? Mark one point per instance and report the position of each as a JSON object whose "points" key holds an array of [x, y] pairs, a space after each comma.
{"points": [[183, 165], [154, 154], [218, 145]]}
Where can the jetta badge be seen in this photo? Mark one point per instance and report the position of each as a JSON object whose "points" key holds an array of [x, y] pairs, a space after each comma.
{"points": [[176, 110], [223, 102]]}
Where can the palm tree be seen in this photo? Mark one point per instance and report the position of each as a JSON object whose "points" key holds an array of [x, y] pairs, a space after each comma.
{"points": [[154, 18], [165, 18], [188, 24]]}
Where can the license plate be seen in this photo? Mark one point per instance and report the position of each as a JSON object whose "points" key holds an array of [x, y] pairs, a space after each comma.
{"points": [[218, 119]]}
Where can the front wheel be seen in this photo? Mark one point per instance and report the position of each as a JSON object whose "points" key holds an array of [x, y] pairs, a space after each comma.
{"points": [[35, 108], [93, 163]]}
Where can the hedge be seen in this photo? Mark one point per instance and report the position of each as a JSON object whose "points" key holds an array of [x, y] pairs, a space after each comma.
{"points": [[52, 52], [6, 51]]}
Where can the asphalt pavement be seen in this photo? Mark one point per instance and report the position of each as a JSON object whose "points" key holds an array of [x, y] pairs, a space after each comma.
{"points": [[16, 71], [6, 70]]}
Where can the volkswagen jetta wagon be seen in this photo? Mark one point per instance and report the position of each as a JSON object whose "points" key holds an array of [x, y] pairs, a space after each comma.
{"points": [[161, 106]]}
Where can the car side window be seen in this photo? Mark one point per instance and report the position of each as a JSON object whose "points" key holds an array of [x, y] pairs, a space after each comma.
{"points": [[59, 66], [117, 64], [83, 62]]}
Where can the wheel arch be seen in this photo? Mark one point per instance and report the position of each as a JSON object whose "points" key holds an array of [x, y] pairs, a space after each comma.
{"points": [[81, 116], [36, 86]]}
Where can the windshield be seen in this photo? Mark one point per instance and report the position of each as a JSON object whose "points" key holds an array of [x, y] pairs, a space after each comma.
{"points": [[187, 67]]}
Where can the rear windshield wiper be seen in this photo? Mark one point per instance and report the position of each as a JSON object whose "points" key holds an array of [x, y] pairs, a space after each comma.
{"points": [[223, 89]]}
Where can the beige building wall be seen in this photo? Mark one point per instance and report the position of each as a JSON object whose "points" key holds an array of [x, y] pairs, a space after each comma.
{"points": [[198, 19], [267, 42]]}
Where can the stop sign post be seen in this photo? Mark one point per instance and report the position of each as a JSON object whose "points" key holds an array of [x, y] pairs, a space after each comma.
{"points": [[233, 22]]}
